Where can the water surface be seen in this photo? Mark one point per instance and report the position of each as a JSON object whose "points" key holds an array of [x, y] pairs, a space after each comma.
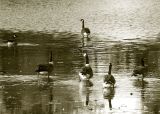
{"points": [[23, 92]]}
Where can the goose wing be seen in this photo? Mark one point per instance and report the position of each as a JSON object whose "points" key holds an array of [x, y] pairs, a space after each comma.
{"points": [[138, 70], [85, 30]]}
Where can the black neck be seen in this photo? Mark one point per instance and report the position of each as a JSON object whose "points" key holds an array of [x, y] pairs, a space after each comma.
{"points": [[142, 62], [51, 58], [87, 59], [82, 23], [110, 68]]}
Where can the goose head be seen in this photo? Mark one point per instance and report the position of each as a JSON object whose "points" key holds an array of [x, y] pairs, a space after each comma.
{"points": [[82, 20], [12, 39], [14, 36]]}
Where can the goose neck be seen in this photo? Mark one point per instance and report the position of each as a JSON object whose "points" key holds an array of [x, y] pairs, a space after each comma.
{"points": [[51, 58], [142, 62], [82, 23], [87, 59], [110, 68]]}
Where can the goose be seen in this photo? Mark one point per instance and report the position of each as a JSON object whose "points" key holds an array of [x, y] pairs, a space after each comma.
{"points": [[140, 70], [12, 42], [2, 72], [85, 31], [87, 71], [109, 80], [46, 69]]}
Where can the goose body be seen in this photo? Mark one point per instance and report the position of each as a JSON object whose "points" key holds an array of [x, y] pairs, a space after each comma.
{"points": [[12, 42], [139, 71], [108, 86], [85, 31], [86, 72], [2, 72], [45, 69], [109, 80]]}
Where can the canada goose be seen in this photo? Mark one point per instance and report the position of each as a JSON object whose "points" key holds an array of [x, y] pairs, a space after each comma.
{"points": [[140, 70], [12, 42], [108, 86], [109, 80], [85, 31], [86, 72], [46, 68], [2, 72]]}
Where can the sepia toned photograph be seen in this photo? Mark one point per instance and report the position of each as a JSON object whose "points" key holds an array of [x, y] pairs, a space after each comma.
{"points": [[79, 56]]}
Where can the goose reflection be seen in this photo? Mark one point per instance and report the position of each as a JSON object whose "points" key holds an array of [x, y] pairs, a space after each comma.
{"points": [[85, 90], [50, 111], [141, 70], [108, 93], [141, 84], [86, 73], [46, 69], [12, 99]]}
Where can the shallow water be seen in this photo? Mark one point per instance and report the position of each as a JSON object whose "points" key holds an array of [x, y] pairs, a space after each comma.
{"points": [[23, 92]]}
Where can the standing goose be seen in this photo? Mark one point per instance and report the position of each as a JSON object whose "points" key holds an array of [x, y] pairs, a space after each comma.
{"points": [[86, 72], [109, 80], [85, 31], [12, 42], [140, 70], [46, 68]]}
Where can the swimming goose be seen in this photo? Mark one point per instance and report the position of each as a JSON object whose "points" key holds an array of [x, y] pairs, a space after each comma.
{"points": [[46, 69], [140, 70], [2, 72], [86, 72], [109, 80], [12, 42], [85, 31]]}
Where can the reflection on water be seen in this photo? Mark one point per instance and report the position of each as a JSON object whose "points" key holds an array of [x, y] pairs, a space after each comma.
{"points": [[23, 92], [108, 93]]}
